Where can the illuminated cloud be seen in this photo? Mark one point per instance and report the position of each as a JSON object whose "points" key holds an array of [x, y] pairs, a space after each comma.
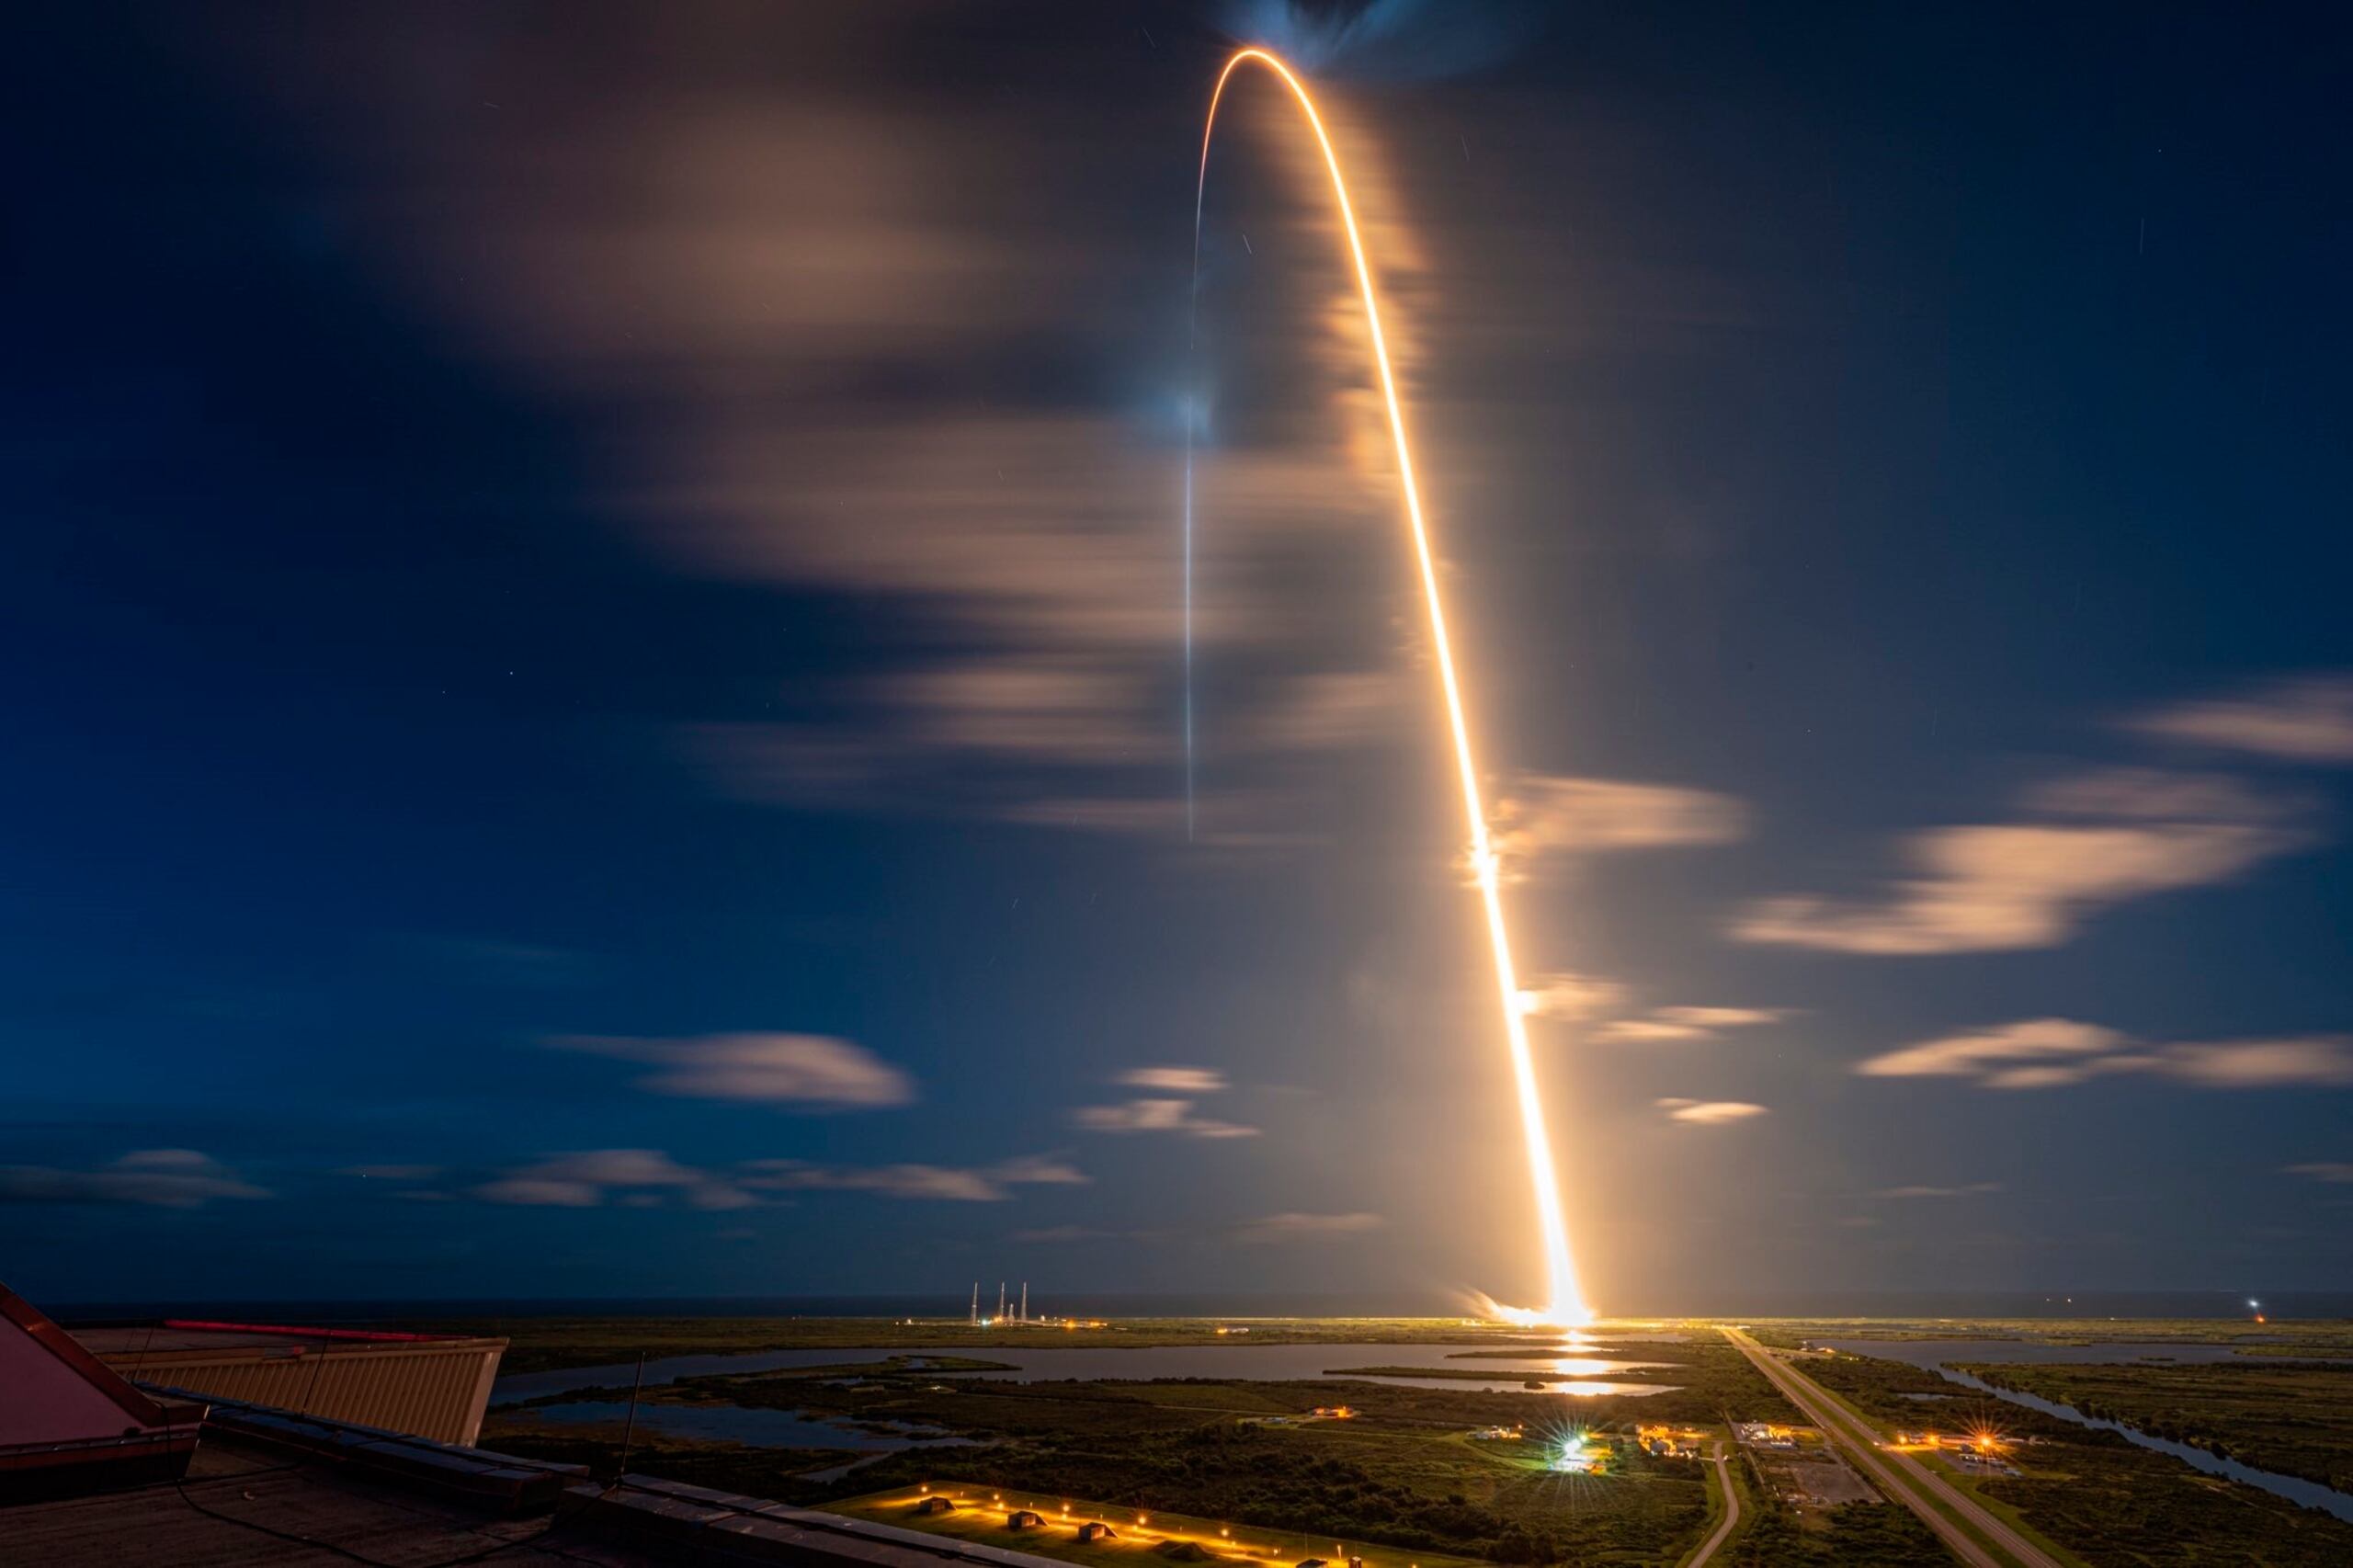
{"points": [[2305, 718], [1709, 1113], [1156, 1115], [2321, 1060], [1569, 997], [1683, 1023], [539, 1193], [1298, 1227], [2335, 1171], [2123, 834], [804, 1069], [2047, 1053], [1971, 1055], [617, 1167], [1176, 1080], [162, 1178], [1168, 1109], [1537, 815], [795, 322], [635, 1177]]}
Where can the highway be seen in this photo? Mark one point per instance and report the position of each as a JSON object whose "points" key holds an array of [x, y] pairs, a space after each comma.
{"points": [[1905, 1479], [1725, 1526]]}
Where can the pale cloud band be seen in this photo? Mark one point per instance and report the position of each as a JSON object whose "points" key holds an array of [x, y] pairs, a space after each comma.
{"points": [[1540, 815], [1709, 1113], [2043, 1053], [2304, 719], [640, 1177], [1169, 1108], [1663, 1024], [2105, 837], [804, 1069], [161, 1178]]}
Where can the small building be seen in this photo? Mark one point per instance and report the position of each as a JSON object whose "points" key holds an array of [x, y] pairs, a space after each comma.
{"points": [[937, 1505], [1025, 1519], [1096, 1529], [1497, 1435]]}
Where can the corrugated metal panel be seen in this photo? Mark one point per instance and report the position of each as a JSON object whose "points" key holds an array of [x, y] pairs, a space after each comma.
{"points": [[433, 1391]]}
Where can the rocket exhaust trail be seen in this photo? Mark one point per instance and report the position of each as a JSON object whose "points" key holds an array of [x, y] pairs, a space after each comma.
{"points": [[1566, 1303]]}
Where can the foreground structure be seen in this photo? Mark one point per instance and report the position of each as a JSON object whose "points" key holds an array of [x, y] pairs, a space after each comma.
{"points": [[432, 1385]]}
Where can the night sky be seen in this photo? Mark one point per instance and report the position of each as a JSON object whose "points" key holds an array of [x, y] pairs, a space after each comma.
{"points": [[588, 612]]}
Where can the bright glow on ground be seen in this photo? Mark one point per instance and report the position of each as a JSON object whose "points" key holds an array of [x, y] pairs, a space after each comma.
{"points": [[1565, 1302]]}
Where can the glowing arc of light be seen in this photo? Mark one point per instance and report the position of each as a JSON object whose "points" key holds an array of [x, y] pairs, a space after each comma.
{"points": [[1566, 1303]]}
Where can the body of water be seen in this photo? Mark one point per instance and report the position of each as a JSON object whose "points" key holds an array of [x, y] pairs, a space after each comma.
{"points": [[759, 1428], [1571, 1374], [1935, 1355]]}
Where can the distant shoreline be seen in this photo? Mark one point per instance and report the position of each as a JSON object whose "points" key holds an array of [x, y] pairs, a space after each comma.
{"points": [[2280, 1307]]}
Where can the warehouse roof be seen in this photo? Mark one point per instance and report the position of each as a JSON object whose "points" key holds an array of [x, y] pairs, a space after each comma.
{"points": [[116, 1342]]}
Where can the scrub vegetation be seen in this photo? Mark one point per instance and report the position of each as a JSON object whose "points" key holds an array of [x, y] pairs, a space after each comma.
{"points": [[2296, 1420], [2092, 1492], [1400, 1471]]}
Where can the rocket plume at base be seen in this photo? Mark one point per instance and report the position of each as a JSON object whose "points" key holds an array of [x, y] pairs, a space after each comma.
{"points": [[1565, 1302]]}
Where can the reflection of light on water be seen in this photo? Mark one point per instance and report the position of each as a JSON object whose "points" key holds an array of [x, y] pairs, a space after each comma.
{"points": [[1595, 1388], [1582, 1366]]}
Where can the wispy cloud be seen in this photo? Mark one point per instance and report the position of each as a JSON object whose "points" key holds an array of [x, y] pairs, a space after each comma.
{"points": [[804, 1069], [1176, 1080], [2332, 1171], [648, 1177], [162, 1178], [1169, 1108], [1570, 997], [801, 333], [586, 1178], [2113, 836], [1991, 1050], [1157, 1114], [2045, 1053], [1683, 1023], [1293, 1226], [1709, 1113], [986, 1184], [2302, 719], [1538, 817]]}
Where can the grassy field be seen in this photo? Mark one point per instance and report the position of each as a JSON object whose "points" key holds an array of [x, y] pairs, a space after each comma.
{"points": [[1401, 1476], [2093, 1494], [1403, 1481], [1144, 1539], [2295, 1420], [2301, 1339]]}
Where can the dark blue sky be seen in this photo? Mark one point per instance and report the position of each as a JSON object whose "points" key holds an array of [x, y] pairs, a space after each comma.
{"points": [[587, 605]]}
